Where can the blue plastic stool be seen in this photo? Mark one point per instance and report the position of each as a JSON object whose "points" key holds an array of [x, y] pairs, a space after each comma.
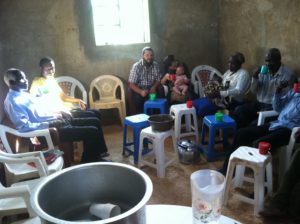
{"points": [[159, 103], [208, 147], [137, 122]]}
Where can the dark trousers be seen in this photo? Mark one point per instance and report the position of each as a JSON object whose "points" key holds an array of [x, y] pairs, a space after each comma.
{"points": [[288, 195], [90, 132], [78, 113], [137, 101], [252, 135], [247, 113]]}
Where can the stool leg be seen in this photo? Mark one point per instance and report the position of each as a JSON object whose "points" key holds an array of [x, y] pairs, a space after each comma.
{"points": [[187, 122], [136, 140], [195, 123], [269, 177], [259, 189], [140, 151], [177, 127], [160, 158], [239, 176], [124, 138], [211, 143], [228, 181]]}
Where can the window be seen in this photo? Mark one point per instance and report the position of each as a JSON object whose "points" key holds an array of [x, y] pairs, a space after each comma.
{"points": [[120, 22]]}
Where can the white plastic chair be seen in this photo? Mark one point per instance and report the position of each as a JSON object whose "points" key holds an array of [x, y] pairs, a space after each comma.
{"points": [[69, 86], [16, 166], [106, 87], [201, 75], [285, 152], [16, 200]]}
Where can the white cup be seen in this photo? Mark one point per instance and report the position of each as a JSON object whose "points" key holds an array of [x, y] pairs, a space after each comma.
{"points": [[104, 211]]}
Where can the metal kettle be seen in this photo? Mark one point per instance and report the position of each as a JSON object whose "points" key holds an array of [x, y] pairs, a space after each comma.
{"points": [[187, 151]]}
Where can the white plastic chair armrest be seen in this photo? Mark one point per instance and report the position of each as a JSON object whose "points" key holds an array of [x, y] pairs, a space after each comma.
{"points": [[20, 158], [41, 133], [264, 114], [166, 89], [19, 191]]}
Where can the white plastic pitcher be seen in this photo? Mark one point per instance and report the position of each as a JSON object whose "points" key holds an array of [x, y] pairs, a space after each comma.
{"points": [[207, 196]]}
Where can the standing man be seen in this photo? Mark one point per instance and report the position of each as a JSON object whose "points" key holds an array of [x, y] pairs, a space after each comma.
{"points": [[263, 85], [144, 78], [27, 115]]}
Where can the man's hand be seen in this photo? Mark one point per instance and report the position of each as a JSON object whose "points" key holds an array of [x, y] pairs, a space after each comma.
{"points": [[144, 93], [282, 85], [256, 73], [82, 104]]}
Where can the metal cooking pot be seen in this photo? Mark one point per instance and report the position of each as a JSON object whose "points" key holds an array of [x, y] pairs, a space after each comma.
{"points": [[187, 151], [65, 196]]}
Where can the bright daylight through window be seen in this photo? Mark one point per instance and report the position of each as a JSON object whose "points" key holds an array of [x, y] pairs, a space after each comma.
{"points": [[120, 22]]}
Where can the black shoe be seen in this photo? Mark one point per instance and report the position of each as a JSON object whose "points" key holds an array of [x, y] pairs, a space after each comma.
{"points": [[104, 154], [105, 160]]}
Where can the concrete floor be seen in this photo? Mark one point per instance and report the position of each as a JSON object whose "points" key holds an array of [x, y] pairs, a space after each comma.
{"points": [[175, 187]]}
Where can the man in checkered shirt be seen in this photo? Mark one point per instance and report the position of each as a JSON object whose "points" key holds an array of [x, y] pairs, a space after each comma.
{"points": [[145, 78]]}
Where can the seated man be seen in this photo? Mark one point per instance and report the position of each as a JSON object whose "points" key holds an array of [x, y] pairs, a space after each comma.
{"points": [[46, 87], [263, 86], [27, 115], [278, 132], [285, 204], [144, 78]]}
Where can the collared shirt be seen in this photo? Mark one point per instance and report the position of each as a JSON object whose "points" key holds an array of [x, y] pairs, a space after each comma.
{"points": [[288, 107], [265, 86], [24, 113], [239, 83], [143, 76], [49, 90]]}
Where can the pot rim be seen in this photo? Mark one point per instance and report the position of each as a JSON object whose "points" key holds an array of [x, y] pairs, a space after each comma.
{"points": [[41, 213]]}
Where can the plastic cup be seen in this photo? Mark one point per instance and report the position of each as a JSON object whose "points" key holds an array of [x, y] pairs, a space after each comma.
{"points": [[189, 104], [172, 77], [264, 69], [152, 96], [104, 211], [218, 117], [296, 87], [207, 196], [264, 148]]}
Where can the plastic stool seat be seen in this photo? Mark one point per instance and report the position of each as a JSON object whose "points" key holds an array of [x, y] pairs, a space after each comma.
{"points": [[191, 124], [158, 140], [136, 122], [213, 125], [260, 164], [159, 103]]}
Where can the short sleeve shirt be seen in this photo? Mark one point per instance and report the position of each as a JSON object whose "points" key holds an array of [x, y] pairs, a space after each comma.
{"points": [[144, 76]]}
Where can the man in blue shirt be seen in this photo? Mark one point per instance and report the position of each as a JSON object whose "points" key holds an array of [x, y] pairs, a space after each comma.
{"points": [[27, 115], [278, 132]]}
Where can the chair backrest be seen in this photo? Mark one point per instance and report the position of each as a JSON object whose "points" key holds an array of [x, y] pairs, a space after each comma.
{"points": [[201, 75], [107, 87], [69, 86]]}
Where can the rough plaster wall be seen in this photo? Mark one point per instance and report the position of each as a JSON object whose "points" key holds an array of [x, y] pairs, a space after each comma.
{"points": [[252, 27], [192, 31], [61, 29]]}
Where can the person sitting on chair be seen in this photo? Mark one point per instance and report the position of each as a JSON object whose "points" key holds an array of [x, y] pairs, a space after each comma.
{"points": [[263, 85], [277, 132], [230, 93], [144, 78], [48, 90], [27, 115]]}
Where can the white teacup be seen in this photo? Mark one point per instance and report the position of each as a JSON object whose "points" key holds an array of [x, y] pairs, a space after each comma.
{"points": [[104, 211]]}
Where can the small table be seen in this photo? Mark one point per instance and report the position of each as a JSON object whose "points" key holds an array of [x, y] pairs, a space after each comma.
{"points": [[176, 214]]}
